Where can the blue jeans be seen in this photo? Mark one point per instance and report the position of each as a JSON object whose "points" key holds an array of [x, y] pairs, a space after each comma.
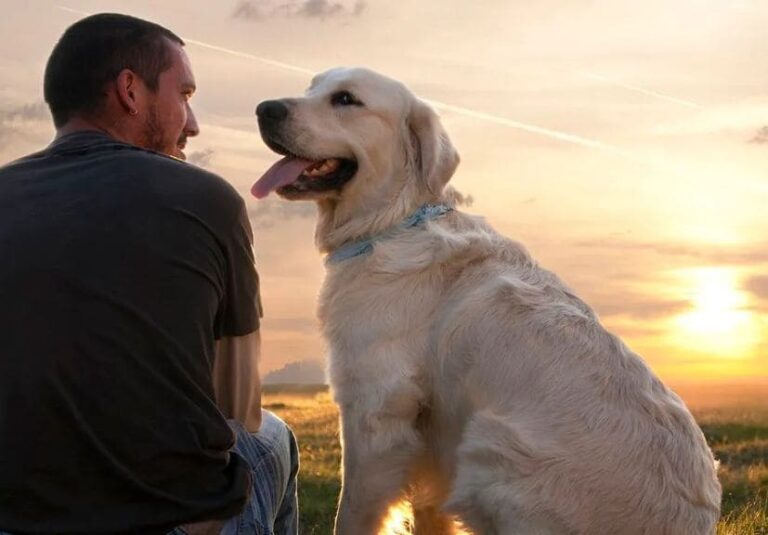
{"points": [[274, 460]]}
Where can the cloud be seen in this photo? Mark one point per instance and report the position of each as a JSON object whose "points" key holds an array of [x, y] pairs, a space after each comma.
{"points": [[292, 324], [23, 128], [314, 9], [761, 136], [638, 307], [723, 255], [36, 111], [758, 286], [360, 6], [308, 371], [320, 8], [16, 117], [201, 158], [269, 212], [731, 120], [247, 10], [324, 8], [635, 331]]}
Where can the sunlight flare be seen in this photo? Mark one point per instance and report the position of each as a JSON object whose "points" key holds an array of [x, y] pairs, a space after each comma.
{"points": [[719, 321], [399, 520]]}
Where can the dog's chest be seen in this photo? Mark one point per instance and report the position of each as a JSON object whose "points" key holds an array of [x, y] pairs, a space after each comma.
{"points": [[377, 330], [358, 306]]}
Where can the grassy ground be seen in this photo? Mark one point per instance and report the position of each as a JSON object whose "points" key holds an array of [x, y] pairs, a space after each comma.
{"points": [[735, 423]]}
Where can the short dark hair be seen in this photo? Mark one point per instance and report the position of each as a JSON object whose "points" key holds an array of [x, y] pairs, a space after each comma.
{"points": [[93, 51]]}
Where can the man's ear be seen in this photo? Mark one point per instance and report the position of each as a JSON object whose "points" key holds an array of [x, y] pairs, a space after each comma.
{"points": [[129, 89], [431, 154]]}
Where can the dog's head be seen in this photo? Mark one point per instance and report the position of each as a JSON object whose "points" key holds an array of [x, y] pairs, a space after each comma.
{"points": [[358, 140]]}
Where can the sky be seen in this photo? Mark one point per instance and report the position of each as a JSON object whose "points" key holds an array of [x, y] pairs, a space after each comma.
{"points": [[624, 142]]}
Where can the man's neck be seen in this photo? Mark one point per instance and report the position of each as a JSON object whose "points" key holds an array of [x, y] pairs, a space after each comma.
{"points": [[80, 124]]}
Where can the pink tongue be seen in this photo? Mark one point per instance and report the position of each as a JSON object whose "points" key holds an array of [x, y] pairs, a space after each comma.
{"points": [[283, 172]]}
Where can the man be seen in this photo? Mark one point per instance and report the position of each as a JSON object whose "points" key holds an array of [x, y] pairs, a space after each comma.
{"points": [[129, 312]]}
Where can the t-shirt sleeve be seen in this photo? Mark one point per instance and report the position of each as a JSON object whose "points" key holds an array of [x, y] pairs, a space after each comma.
{"points": [[240, 307]]}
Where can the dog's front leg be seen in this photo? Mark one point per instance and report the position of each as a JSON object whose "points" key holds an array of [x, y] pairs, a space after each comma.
{"points": [[379, 443]]}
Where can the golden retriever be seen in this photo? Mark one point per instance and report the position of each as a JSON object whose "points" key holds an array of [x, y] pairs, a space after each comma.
{"points": [[464, 371]]}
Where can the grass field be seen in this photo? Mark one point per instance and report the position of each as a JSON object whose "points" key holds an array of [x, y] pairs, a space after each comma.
{"points": [[734, 420]]}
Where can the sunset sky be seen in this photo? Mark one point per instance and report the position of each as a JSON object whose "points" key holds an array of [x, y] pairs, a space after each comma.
{"points": [[625, 142]]}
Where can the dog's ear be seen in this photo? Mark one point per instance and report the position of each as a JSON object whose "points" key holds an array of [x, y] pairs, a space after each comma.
{"points": [[431, 154]]}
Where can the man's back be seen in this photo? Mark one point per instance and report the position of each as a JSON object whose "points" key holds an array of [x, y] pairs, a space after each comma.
{"points": [[119, 267]]}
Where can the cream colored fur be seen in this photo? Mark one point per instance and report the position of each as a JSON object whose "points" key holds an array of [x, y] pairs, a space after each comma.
{"points": [[466, 372]]}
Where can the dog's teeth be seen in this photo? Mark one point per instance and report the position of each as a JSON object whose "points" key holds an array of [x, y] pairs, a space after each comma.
{"points": [[332, 164], [327, 166]]}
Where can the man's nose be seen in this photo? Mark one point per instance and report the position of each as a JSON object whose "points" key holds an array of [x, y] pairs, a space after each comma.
{"points": [[191, 129], [271, 111]]}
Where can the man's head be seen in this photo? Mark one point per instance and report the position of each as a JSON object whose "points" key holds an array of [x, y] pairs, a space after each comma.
{"points": [[124, 75]]}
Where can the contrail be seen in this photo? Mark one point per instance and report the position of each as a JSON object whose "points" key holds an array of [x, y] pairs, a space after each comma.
{"points": [[245, 55], [642, 90], [75, 11], [266, 61], [483, 116], [533, 129]]}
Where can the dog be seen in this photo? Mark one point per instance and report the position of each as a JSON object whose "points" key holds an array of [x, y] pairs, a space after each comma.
{"points": [[465, 373]]}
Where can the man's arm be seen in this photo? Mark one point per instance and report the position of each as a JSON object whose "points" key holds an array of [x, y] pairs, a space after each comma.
{"points": [[236, 381]]}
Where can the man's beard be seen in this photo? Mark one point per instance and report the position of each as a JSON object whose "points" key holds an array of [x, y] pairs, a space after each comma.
{"points": [[155, 137], [153, 133]]}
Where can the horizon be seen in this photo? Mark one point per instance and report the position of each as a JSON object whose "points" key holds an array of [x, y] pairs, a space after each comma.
{"points": [[628, 154]]}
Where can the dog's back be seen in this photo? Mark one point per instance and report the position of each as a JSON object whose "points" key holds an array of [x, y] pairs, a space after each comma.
{"points": [[566, 429]]}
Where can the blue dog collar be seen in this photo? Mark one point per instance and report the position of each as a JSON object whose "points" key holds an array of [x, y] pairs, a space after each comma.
{"points": [[426, 212]]}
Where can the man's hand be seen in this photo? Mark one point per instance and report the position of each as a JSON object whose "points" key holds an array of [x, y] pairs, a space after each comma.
{"points": [[236, 381]]}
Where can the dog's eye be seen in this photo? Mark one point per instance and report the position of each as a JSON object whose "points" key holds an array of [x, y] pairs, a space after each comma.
{"points": [[344, 98]]}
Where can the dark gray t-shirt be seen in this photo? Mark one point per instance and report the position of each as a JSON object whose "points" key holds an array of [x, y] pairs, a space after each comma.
{"points": [[119, 267]]}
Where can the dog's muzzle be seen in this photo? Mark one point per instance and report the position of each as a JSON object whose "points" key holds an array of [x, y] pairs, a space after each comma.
{"points": [[298, 175]]}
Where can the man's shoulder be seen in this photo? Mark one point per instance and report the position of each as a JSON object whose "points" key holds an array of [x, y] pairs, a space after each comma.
{"points": [[166, 168], [163, 172], [90, 148], [126, 168], [182, 184]]}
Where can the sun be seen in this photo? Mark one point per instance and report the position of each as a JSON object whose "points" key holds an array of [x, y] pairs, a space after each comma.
{"points": [[719, 321]]}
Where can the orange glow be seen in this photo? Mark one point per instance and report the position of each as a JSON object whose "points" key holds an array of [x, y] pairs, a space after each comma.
{"points": [[399, 519], [719, 323]]}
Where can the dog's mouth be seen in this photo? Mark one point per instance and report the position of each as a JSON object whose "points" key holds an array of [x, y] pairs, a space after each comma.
{"points": [[294, 176]]}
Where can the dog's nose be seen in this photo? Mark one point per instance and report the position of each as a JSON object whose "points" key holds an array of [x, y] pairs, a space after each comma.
{"points": [[272, 111]]}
